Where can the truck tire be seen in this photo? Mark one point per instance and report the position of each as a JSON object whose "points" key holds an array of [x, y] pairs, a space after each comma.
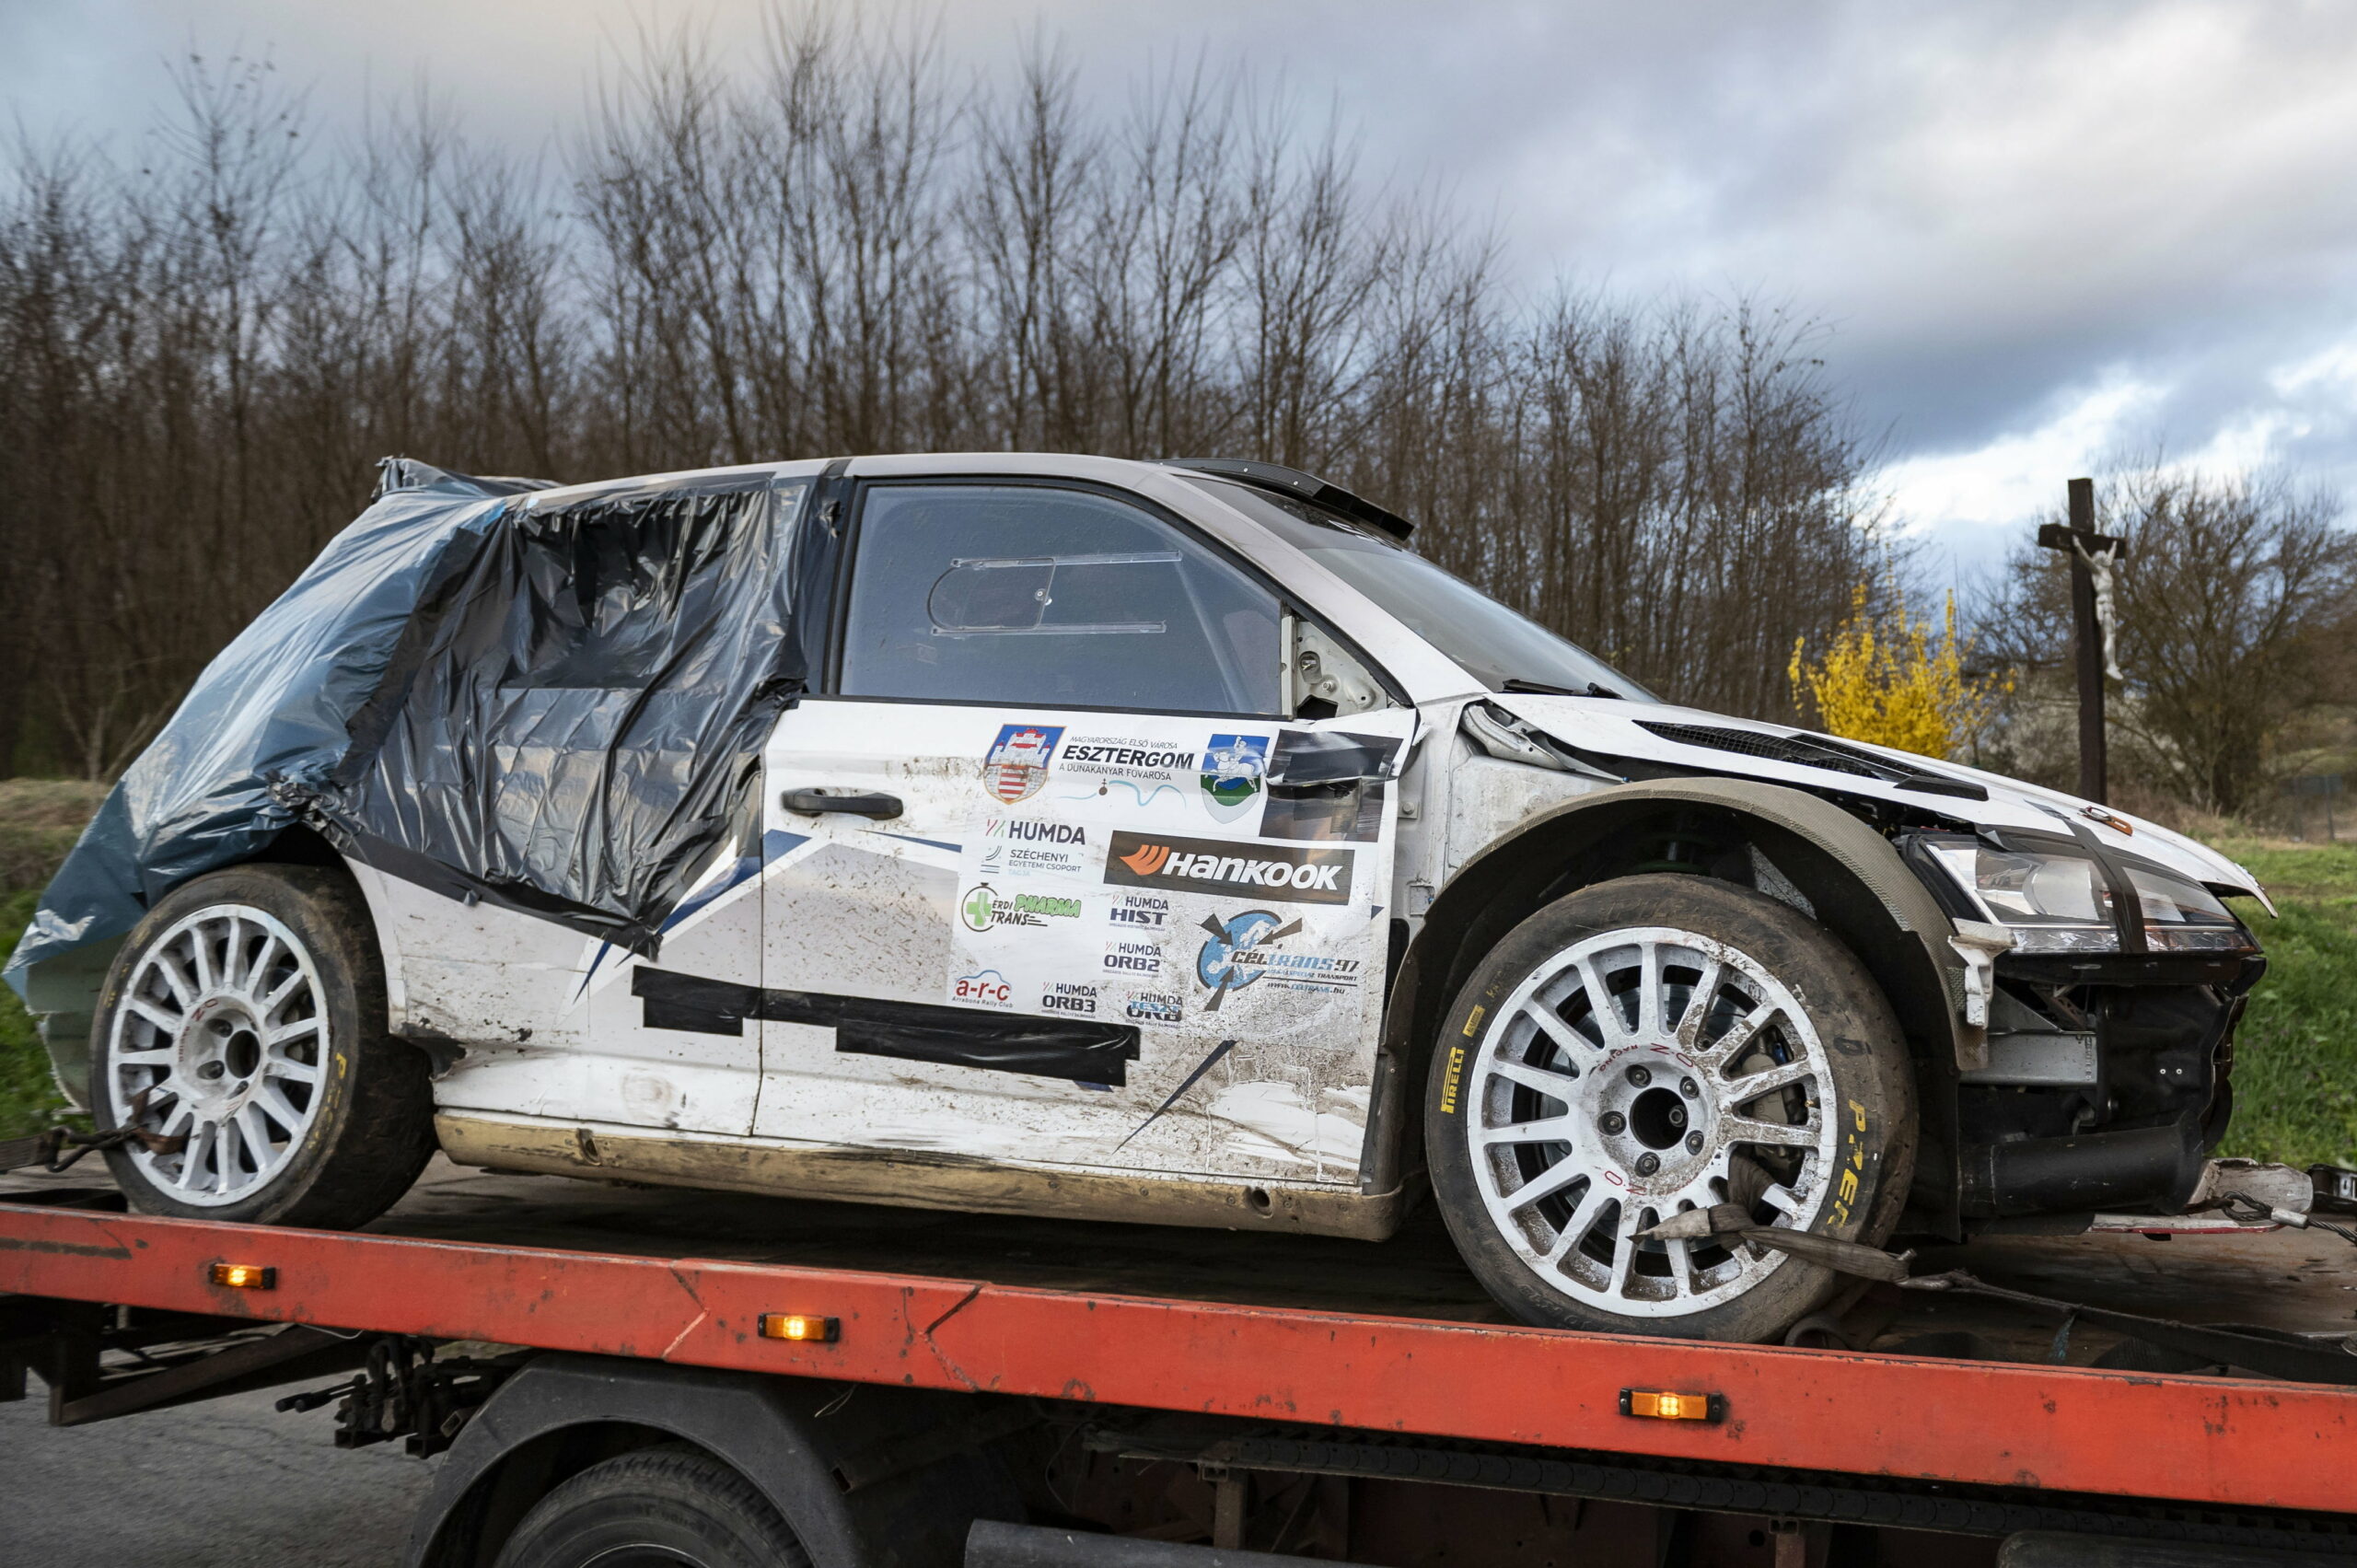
{"points": [[1651, 1045], [669, 1504], [243, 1028]]}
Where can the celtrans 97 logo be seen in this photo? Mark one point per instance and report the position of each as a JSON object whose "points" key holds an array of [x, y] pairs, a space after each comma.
{"points": [[1233, 956], [1286, 873], [1246, 949]]}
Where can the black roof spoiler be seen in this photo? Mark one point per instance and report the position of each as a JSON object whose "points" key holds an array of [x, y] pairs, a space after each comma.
{"points": [[1293, 481]]}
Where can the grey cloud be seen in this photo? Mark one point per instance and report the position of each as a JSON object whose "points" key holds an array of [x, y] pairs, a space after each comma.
{"points": [[1993, 204]]}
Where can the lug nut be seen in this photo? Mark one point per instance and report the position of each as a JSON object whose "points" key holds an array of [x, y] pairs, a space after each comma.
{"points": [[1693, 1143], [1677, 1117], [1640, 1077], [1687, 1088], [1647, 1163], [1612, 1121]]}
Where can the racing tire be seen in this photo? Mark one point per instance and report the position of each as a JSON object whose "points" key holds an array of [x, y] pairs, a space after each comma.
{"points": [[669, 1504], [242, 1028], [1655, 1044]]}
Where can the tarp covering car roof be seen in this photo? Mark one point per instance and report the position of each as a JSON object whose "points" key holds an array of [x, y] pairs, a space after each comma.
{"points": [[551, 701]]}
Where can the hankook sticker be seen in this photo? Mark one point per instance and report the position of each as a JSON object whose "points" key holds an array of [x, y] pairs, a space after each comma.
{"points": [[1284, 873]]}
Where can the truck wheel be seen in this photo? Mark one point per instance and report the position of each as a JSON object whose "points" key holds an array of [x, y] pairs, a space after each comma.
{"points": [[1652, 1045], [671, 1504], [242, 1028]]}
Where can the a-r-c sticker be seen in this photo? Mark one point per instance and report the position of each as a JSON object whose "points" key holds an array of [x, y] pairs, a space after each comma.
{"points": [[985, 988]]}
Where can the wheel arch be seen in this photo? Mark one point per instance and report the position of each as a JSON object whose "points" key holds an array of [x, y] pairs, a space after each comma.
{"points": [[63, 992], [1852, 880], [788, 1436]]}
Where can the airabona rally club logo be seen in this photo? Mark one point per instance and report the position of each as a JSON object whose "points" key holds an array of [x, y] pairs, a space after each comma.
{"points": [[987, 987], [1284, 873]]}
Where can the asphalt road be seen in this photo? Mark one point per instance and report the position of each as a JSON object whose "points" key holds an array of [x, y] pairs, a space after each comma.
{"points": [[230, 1483]]}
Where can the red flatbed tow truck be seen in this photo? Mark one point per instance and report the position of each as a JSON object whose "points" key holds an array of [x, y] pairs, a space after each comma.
{"points": [[1115, 1394]]}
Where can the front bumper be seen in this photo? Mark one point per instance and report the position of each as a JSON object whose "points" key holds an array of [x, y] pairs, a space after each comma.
{"points": [[2122, 1087]]}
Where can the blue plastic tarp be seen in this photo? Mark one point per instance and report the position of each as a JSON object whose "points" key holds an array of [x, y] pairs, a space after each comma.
{"points": [[272, 707], [555, 702]]}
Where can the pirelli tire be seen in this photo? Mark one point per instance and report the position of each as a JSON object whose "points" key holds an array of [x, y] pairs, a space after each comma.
{"points": [[1651, 1045], [242, 1029]]}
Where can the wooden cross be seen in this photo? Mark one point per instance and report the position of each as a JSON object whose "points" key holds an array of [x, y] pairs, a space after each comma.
{"points": [[2080, 541]]}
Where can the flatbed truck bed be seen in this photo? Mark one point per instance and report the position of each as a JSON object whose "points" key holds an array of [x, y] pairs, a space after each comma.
{"points": [[1375, 1381]]}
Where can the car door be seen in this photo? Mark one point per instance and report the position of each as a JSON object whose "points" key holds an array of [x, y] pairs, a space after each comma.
{"points": [[1065, 884], [614, 1036]]}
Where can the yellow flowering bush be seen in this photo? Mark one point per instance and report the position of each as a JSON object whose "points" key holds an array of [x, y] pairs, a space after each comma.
{"points": [[1890, 679]]}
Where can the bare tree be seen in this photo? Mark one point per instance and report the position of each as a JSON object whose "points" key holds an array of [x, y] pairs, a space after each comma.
{"points": [[832, 248], [2235, 601]]}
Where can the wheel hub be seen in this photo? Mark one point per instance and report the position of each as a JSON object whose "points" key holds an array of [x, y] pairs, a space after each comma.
{"points": [[1652, 1119], [219, 1053], [217, 1048]]}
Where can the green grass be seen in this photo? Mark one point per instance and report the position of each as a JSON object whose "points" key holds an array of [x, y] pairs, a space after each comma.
{"points": [[29, 1096], [40, 820], [2295, 1057]]}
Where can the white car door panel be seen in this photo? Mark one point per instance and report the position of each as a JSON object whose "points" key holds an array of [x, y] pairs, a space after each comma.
{"points": [[551, 1020], [642, 1070], [1157, 958]]}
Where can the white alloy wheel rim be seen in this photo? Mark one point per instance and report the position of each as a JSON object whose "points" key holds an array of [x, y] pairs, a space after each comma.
{"points": [[222, 1029], [1632, 1077]]}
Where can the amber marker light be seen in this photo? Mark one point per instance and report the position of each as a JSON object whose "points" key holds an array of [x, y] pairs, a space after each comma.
{"points": [[800, 1327], [244, 1276], [1661, 1405]]}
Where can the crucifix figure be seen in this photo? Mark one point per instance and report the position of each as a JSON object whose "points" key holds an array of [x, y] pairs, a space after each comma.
{"points": [[2093, 557]]}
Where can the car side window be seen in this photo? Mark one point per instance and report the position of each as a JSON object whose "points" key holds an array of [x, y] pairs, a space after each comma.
{"points": [[1035, 595]]}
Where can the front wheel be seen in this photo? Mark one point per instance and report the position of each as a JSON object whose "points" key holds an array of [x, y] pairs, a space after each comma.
{"points": [[243, 1030], [1649, 1046]]}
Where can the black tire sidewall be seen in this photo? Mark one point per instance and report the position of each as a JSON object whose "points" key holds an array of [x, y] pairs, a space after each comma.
{"points": [[1872, 1099], [373, 1128], [675, 1497]]}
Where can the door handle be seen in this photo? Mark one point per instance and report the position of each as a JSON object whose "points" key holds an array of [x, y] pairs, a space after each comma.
{"points": [[814, 802]]}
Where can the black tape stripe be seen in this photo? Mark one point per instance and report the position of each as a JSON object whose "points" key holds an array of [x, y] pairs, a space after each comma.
{"points": [[1080, 1051]]}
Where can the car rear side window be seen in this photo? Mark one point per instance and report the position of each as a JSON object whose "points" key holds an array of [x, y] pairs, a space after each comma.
{"points": [[1031, 594]]}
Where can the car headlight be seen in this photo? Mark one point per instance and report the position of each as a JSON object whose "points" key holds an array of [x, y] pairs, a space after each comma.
{"points": [[2184, 916], [2062, 903]]}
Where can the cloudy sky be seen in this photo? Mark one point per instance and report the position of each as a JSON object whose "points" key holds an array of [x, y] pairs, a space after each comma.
{"points": [[2042, 232]]}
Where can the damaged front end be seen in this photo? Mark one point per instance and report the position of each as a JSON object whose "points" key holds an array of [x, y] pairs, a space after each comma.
{"points": [[2093, 973], [2113, 986]]}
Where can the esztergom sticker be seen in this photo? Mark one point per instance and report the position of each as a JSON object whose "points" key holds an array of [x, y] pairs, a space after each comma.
{"points": [[1281, 873]]}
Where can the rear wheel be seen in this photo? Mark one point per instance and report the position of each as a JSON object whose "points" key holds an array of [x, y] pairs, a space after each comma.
{"points": [[672, 1507], [243, 1031], [1653, 1045]]}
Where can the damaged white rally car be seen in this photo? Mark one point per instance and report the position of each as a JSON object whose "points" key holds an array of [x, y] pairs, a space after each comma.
{"points": [[1170, 842]]}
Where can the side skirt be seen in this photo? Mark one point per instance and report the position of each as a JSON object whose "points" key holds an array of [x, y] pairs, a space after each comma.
{"points": [[911, 1177]]}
